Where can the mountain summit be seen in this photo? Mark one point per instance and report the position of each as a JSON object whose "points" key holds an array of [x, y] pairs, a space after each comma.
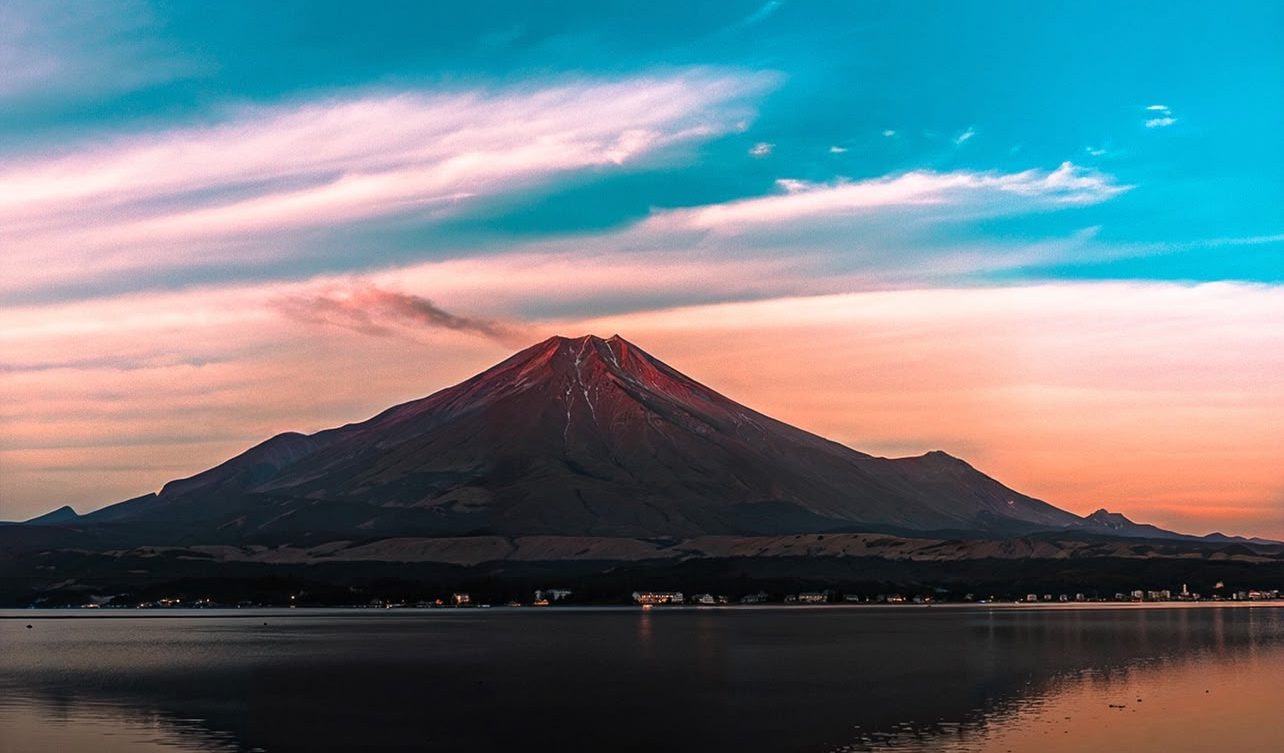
{"points": [[574, 436]]}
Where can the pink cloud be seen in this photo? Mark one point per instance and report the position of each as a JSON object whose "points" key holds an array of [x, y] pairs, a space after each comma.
{"points": [[193, 195], [372, 310]]}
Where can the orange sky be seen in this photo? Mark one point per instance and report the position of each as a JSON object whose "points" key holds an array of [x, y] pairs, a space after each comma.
{"points": [[1161, 401]]}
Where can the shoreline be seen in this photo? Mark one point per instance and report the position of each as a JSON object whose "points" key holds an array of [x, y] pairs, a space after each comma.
{"points": [[252, 612]]}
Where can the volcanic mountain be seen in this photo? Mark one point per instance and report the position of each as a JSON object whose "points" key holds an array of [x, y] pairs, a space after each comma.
{"points": [[572, 437]]}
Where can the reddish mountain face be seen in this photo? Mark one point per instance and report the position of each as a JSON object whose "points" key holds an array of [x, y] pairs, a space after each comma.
{"points": [[587, 437]]}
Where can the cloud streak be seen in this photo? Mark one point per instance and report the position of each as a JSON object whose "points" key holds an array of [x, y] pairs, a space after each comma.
{"points": [[193, 196], [89, 50], [372, 310], [763, 13], [980, 192]]}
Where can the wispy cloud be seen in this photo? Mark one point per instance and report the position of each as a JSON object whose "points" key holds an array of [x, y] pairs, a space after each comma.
{"points": [[88, 50], [984, 192], [763, 13], [191, 196], [965, 136], [372, 310], [1164, 117], [761, 149]]}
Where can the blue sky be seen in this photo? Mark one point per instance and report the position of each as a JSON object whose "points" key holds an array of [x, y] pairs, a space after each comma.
{"points": [[547, 166], [955, 86]]}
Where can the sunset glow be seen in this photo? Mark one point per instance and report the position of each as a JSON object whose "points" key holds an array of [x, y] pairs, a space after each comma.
{"points": [[205, 242]]}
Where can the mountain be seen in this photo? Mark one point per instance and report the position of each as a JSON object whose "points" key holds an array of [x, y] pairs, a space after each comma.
{"points": [[1117, 524], [63, 514], [572, 437]]}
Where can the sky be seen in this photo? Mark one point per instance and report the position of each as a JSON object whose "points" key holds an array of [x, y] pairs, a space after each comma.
{"points": [[1047, 238]]}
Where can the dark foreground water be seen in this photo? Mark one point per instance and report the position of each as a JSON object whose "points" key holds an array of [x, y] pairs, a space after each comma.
{"points": [[1136, 679]]}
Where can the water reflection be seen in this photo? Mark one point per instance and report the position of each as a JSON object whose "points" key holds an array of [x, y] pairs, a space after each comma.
{"points": [[644, 627], [1199, 704], [805, 679], [1203, 679], [76, 724]]}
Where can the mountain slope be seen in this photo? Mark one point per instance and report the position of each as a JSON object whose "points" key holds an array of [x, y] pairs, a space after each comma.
{"points": [[585, 436]]}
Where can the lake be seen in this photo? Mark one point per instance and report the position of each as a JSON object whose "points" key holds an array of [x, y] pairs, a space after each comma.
{"points": [[942, 679]]}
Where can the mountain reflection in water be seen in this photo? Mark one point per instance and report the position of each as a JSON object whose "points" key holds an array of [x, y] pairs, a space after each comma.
{"points": [[1136, 678]]}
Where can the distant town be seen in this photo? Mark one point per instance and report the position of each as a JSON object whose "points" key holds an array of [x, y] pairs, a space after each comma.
{"points": [[647, 599]]}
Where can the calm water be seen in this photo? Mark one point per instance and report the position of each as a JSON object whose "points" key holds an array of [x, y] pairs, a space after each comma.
{"points": [[798, 679]]}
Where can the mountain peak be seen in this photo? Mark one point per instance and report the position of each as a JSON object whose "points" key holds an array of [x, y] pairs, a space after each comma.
{"points": [[589, 359], [1111, 520], [613, 344], [578, 349], [63, 514], [1104, 514], [589, 339], [582, 339]]}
